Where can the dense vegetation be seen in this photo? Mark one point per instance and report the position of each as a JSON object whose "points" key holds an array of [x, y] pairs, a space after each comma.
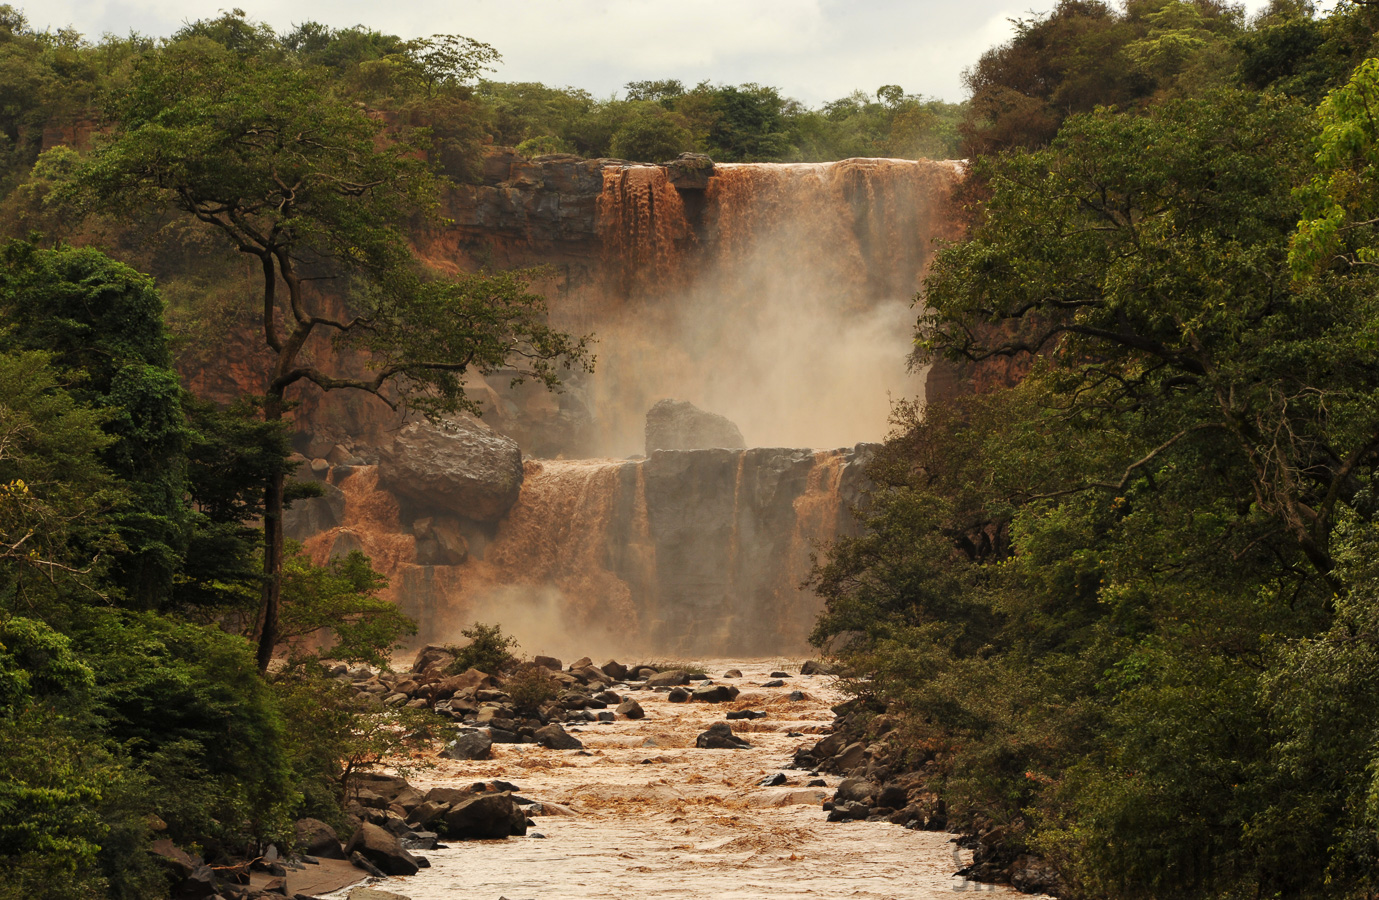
{"points": [[1127, 602]]}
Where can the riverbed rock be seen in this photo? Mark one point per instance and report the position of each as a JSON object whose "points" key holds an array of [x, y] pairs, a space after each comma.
{"points": [[671, 678], [381, 848], [554, 737], [548, 662], [680, 425], [484, 817], [475, 745], [614, 670], [714, 693], [368, 893], [720, 737], [818, 667], [631, 709], [316, 838], [678, 695], [461, 466]]}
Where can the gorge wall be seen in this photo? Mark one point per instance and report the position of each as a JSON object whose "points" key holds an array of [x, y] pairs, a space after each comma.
{"points": [[779, 296]]}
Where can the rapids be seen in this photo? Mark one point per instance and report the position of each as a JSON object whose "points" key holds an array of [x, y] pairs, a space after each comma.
{"points": [[653, 817]]}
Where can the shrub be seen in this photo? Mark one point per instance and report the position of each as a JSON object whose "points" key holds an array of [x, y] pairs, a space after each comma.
{"points": [[489, 651]]}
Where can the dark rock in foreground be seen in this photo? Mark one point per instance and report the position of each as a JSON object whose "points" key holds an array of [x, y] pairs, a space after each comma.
{"points": [[720, 737], [485, 817], [382, 849]]}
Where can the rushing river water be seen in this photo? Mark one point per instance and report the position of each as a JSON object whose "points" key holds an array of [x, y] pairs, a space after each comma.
{"points": [[647, 815]]}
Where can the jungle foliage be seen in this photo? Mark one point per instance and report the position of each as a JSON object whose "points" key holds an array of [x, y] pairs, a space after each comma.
{"points": [[1126, 598]]}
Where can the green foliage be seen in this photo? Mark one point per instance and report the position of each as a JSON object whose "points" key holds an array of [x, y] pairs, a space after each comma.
{"points": [[531, 686], [488, 650], [1124, 599], [339, 598]]}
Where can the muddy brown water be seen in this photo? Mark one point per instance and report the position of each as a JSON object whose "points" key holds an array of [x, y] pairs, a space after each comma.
{"points": [[647, 815]]}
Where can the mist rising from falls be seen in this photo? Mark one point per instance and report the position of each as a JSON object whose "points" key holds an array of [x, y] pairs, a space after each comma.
{"points": [[779, 297]]}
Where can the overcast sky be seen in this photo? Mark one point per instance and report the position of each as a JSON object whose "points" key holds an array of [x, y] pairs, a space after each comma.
{"points": [[813, 50]]}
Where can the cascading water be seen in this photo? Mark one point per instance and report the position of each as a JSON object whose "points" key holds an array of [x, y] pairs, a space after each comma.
{"points": [[778, 296]]}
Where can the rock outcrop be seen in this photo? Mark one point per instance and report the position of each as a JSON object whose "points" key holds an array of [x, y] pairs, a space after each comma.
{"points": [[680, 425], [462, 467]]}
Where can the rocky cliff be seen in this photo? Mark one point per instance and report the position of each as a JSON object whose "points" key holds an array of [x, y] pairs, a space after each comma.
{"points": [[687, 552]]}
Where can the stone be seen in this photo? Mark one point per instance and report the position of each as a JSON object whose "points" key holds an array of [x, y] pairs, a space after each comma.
{"points": [[554, 737], [689, 171], [672, 678], [368, 893], [780, 675], [776, 683], [678, 695], [631, 709], [818, 667], [313, 515], [796, 696], [720, 737], [381, 848], [614, 670], [733, 673], [548, 662], [775, 780], [430, 655], [680, 425], [198, 885], [850, 757], [744, 714], [893, 796], [174, 858], [440, 541], [475, 745], [854, 790], [484, 817], [361, 861], [316, 838], [461, 466], [714, 693]]}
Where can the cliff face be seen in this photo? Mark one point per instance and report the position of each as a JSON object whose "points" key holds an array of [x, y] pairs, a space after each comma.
{"points": [[687, 552]]}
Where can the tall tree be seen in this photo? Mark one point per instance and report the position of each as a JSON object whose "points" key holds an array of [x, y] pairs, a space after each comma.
{"points": [[316, 190]]}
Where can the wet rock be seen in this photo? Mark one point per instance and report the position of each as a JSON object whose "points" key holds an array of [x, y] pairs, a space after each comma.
{"points": [[554, 737], [715, 693], [614, 670], [733, 673], [818, 667], [548, 662], [775, 780], [855, 790], [849, 758], [680, 425], [672, 678], [779, 675], [368, 893], [744, 714], [361, 861], [690, 171], [678, 695], [461, 466], [797, 696], [720, 737], [381, 848], [313, 515], [631, 709], [893, 795], [316, 838], [485, 817], [475, 745], [776, 683]]}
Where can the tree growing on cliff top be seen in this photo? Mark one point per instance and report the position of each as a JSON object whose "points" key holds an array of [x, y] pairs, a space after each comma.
{"points": [[316, 190]]}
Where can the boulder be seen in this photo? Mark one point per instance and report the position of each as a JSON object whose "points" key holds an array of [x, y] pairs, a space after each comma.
{"points": [[484, 816], [316, 838], [554, 737], [313, 515], [381, 848], [678, 695], [475, 745], [461, 466], [855, 790], [733, 673], [631, 709], [431, 654], [173, 858], [715, 693], [680, 425], [818, 667], [720, 737], [614, 670], [548, 662], [689, 171], [672, 678]]}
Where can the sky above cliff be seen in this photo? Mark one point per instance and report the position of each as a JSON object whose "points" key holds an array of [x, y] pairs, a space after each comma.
{"points": [[813, 50]]}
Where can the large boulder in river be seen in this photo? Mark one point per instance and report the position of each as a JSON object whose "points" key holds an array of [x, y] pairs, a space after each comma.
{"points": [[720, 737], [382, 849], [461, 466], [483, 817], [679, 425]]}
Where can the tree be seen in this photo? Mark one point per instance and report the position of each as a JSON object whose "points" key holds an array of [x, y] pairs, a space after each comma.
{"points": [[316, 191]]}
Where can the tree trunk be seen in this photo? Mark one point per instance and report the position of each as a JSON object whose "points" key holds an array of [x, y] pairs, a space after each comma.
{"points": [[267, 630]]}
